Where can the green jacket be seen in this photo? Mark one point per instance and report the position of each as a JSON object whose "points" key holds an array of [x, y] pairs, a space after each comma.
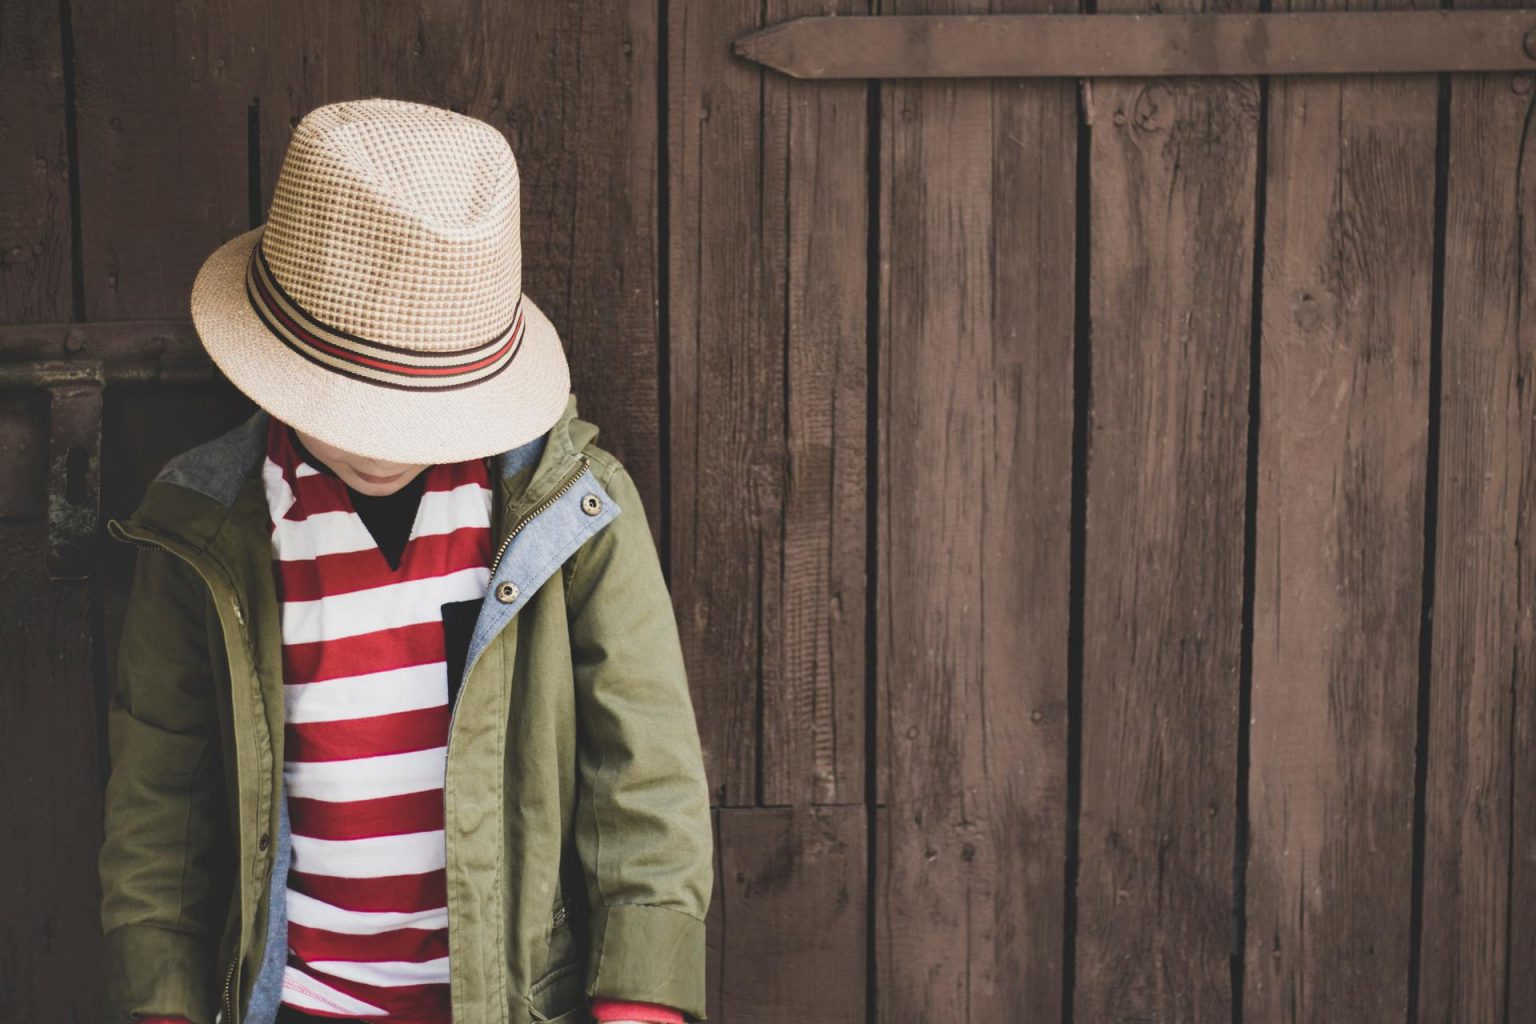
{"points": [[579, 846]]}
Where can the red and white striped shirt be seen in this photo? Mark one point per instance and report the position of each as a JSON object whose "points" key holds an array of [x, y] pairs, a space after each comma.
{"points": [[367, 706]]}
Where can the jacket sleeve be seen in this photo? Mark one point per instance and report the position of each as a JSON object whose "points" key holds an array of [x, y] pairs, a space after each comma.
{"points": [[157, 906], [642, 828]]}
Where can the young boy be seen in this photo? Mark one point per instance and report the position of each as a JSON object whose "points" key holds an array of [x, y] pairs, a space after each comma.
{"points": [[401, 729]]}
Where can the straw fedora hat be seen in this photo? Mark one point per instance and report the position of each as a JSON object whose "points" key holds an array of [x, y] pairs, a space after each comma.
{"points": [[380, 307]]}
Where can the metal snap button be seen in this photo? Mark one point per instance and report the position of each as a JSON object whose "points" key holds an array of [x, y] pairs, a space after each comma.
{"points": [[591, 504], [506, 592], [263, 841]]}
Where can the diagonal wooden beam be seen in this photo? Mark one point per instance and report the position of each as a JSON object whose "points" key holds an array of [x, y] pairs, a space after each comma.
{"points": [[1102, 45]]}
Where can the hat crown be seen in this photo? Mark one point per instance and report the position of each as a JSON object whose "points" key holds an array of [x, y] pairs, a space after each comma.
{"points": [[398, 223]]}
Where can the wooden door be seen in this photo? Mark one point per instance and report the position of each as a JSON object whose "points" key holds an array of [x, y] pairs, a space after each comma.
{"points": [[1095, 508]]}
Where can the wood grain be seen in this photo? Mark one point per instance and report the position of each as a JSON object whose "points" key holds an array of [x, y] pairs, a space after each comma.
{"points": [[1479, 773], [1172, 238], [50, 802], [975, 393], [816, 179], [162, 93], [793, 897], [35, 217], [1343, 449]]}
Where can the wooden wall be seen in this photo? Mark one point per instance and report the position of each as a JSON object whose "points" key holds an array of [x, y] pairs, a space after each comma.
{"points": [[1095, 510]]}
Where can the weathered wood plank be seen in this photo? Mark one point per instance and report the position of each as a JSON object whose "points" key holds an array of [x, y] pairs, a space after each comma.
{"points": [[793, 895], [816, 181], [975, 418], [1483, 643], [35, 220], [23, 454], [51, 931], [1173, 170], [1349, 225], [727, 316], [1142, 45], [578, 95], [162, 93]]}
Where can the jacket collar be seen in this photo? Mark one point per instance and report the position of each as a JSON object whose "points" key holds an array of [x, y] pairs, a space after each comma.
{"points": [[197, 494]]}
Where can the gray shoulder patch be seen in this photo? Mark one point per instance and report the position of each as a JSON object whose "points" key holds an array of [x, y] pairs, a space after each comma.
{"points": [[525, 454], [218, 467]]}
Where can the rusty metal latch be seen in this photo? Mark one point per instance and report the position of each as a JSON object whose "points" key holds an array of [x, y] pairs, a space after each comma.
{"points": [[1152, 45], [74, 363], [74, 472]]}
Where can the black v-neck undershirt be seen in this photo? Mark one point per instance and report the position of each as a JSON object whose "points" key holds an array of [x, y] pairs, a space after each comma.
{"points": [[389, 517]]}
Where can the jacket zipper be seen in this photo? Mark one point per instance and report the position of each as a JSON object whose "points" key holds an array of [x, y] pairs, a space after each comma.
{"points": [[545, 502], [586, 460], [229, 979]]}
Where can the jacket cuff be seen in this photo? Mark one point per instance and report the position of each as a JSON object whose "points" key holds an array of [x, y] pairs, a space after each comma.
{"points": [[654, 1013], [154, 972], [648, 954]]}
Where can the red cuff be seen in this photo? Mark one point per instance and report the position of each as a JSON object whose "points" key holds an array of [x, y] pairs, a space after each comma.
{"points": [[613, 1009]]}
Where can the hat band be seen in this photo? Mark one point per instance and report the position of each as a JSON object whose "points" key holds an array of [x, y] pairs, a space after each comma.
{"points": [[374, 361]]}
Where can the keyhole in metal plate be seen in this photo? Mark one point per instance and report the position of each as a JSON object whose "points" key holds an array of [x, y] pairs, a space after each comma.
{"points": [[76, 462]]}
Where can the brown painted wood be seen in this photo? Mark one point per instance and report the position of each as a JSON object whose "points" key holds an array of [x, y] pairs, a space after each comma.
{"points": [[1478, 776], [815, 168], [1521, 911], [727, 319], [975, 392], [50, 933], [792, 890], [23, 454], [1343, 448], [1178, 43], [162, 95], [50, 805], [1173, 172], [115, 352], [35, 219]]}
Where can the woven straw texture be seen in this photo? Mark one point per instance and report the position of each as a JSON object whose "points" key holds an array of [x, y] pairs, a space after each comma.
{"points": [[398, 224]]}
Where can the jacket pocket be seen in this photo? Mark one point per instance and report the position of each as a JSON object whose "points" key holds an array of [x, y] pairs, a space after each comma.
{"points": [[557, 996]]}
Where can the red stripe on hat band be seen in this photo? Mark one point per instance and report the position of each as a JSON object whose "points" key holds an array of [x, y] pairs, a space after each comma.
{"points": [[302, 332]]}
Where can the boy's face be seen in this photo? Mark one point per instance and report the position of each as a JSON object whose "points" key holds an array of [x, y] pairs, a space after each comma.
{"points": [[368, 476]]}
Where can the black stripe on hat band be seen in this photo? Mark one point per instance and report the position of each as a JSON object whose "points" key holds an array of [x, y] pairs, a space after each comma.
{"points": [[372, 361]]}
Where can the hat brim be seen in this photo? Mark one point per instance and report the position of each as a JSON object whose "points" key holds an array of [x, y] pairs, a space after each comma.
{"points": [[394, 424]]}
